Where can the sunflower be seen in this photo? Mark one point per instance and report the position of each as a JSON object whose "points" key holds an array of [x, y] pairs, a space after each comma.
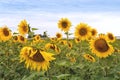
{"points": [[111, 37], [73, 59], [23, 27], [53, 47], [63, 42], [100, 46], [22, 39], [83, 31], [15, 39], [37, 39], [93, 32], [53, 39], [89, 57], [77, 40], [64, 24], [5, 34], [69, 44], [36, 59], [58, 36]]}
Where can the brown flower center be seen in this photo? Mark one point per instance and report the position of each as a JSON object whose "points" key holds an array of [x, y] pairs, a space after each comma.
{"points": [[64, 24], [15, 38], [110, 36], [5, 32], [101, 45], [83, 31], [25, 28], [22, 38], [37, 57], [93, 32], [58, 36]]}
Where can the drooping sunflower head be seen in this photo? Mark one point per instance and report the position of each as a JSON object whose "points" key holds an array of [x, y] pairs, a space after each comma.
{"points": [[35, 59], [64, 24], [59, 36], [89, 57], [111, 37], [83, 31], [23, 27], [5, 33], [101, 47]]}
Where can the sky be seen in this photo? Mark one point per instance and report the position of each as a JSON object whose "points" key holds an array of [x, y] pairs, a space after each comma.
{"points": [[104, 15]]}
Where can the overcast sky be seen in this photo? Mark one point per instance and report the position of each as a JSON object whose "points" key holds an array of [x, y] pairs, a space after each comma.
{"points": [[104, 15]]}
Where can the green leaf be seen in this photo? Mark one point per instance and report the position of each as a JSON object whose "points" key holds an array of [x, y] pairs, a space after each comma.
{"points": [[34, 29], [62, 76]]}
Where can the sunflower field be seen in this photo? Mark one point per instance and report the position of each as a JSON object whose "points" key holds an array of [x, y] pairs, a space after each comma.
{"points": [[87, 56]]}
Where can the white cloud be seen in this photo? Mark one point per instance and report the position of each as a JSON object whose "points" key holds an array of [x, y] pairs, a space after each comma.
{"points": [[103, 22]]}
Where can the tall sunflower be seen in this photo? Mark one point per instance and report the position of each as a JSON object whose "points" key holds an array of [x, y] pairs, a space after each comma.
{"points": [[64, 24], [23, 27], [5, 34], [83, 31], [36, 59], [100, 46], [110, 37], [89, 57]]}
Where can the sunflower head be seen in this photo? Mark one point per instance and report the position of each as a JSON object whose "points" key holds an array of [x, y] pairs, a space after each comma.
{"points": [[89, 57], [64, 24], [35, 59], [101, 47], [5, 33], [15, 38], [23, 27], [21, 39], [77, 40], [110, 37], [93, 32], [83, 31], [69, 45], [58, 36]]}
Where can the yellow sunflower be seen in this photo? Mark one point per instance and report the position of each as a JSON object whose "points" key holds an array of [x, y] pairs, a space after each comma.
{"points": [[89, 57], [58, 36], [110, 37], [36, 59], [69, 45], [93, 32], [23, 27], [100, 46], [53, 39], [53, 47], [15, 39], [64, 24], [37, 39], [83, 31], [63, 42], [22, 39], [77, 40], [5, 34], [72, 59]]}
